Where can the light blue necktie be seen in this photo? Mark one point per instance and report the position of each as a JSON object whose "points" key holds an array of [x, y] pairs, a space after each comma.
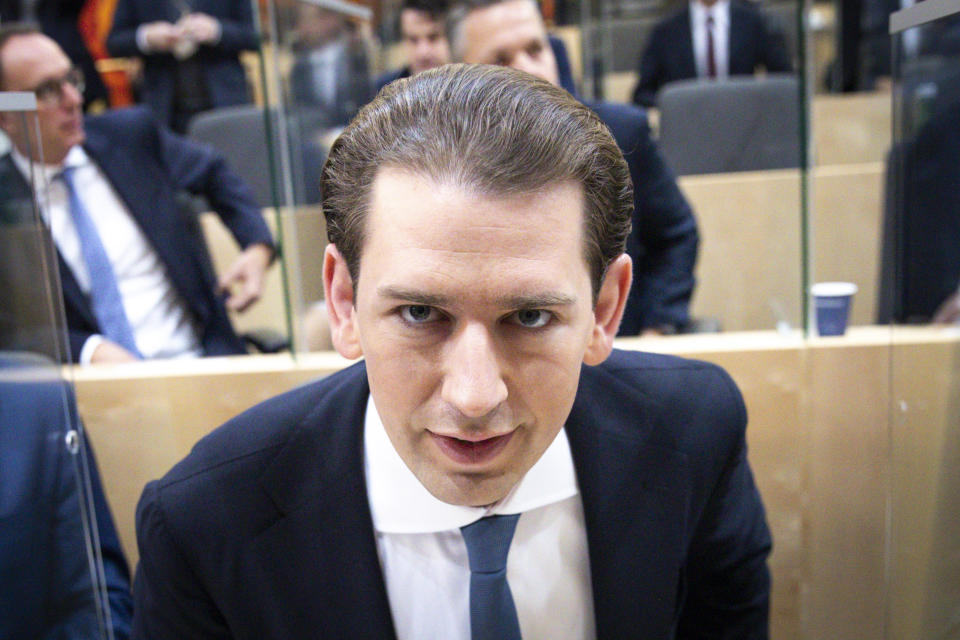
{"points": [[493, 615], [104, 292]]}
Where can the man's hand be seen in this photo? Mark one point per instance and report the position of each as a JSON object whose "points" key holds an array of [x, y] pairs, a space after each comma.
{"points": [[161, 36], [247, 271], [200, 28], [111, 352], [949, 310]]}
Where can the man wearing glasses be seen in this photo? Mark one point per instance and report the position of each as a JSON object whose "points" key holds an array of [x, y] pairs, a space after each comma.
{"points": [[135, 281]]}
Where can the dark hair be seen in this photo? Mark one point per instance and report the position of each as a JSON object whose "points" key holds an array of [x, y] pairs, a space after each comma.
{"points": [[436, 9], [9, 30], [493, 130]]}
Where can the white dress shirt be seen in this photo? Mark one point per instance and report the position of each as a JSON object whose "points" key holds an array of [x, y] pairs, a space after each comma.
{"points": [[720, 12], [162, 326], [424, 557]]}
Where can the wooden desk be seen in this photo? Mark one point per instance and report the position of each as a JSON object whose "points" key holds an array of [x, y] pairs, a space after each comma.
{"points": [[841, 429]]}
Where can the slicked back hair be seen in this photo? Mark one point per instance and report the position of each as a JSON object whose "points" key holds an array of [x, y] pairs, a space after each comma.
{"points": [[492, 131]]}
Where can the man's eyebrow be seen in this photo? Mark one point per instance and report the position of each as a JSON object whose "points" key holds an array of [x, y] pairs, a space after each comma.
{"points": [[537, 300], [522, 301], [413, 296]]}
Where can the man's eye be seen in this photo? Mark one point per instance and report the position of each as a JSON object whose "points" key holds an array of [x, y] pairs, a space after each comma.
{"points": [[47, 90], [418, 313], [532, 318]]}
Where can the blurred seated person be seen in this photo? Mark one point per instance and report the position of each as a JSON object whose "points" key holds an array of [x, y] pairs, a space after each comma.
{"points": [[424, 39], [59, 19], [136, 284], [921, 246], [663, 243], [50, 583], [330, 74], [190, 51], [709, 39]]}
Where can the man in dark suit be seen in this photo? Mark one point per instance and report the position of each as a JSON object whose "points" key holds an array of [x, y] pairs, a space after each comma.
{"points": [[478, 219], [709, 39], [126, 172], [190, 51], [423, 38], [664, 241], [51, 578]]}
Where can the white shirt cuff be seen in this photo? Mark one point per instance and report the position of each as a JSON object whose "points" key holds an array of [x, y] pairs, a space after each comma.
{"points": [[86, 352], [142, 39]]}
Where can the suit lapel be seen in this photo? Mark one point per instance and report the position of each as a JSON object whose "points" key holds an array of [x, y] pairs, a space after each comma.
{"points": [[634, 498], [688, 65], [319, 559], [739, 58], [18, 190], [149, 198]]}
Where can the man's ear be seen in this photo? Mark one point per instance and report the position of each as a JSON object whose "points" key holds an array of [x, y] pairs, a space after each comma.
{"points": [[341, 309], [609, 309]]}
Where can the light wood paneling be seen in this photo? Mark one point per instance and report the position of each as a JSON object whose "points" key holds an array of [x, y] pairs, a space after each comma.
{"points": [[847, 217], [748, 270], [825, 449], [851, 128]]}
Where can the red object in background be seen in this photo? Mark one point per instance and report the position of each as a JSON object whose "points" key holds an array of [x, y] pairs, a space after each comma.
{"points": [[95, 21]]}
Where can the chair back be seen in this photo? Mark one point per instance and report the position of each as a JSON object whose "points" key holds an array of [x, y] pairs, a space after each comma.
{"points": [[738, 124]]}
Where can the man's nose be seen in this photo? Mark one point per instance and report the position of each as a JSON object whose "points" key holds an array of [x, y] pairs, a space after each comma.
{"points": [[473, 376], [70, 95]]}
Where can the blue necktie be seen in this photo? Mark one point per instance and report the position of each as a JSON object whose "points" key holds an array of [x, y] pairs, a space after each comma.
{"points": [[493, 615], [104, 292]]}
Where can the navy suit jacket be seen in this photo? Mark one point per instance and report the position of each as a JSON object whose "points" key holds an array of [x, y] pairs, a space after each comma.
{"points": [[148, 166], [46, 590], [264, 530], [668, 55], [664, 239], [226, 83]]}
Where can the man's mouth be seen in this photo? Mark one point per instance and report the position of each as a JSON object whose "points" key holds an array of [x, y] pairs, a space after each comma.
{"points": [[472, 451]]}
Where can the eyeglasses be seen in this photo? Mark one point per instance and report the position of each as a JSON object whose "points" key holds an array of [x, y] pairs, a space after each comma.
{"points": [[50, 93]]}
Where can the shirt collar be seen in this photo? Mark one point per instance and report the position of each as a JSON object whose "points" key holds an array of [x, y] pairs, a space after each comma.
{"points": [[45, 173], [400, 504], [720, 12]]}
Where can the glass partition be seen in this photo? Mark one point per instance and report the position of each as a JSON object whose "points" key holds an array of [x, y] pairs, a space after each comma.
{"points": [[55, 581], [737, 144], [920, 296], [318, 56], [324, 59]]}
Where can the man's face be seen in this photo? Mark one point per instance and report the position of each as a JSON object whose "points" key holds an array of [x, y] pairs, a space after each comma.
{"points": [[474, 315], [510, 34], [424, 41], [28, 62]]}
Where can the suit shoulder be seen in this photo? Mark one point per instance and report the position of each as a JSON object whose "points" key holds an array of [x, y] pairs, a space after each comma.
{"points": [[689, 403], [122, 122], [387, 77], [627, 122], [673, 23], [657, 365], [269, 425]]}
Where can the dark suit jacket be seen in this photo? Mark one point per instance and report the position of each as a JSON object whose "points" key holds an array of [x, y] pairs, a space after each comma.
{"points": [[663, 243], [668, 55], [389, 76], [264, 530], [226, 83], [46, 589], [148, 166]]}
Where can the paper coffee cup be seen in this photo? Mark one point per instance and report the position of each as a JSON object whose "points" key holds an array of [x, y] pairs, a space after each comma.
{"points": [[832, 302]]}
